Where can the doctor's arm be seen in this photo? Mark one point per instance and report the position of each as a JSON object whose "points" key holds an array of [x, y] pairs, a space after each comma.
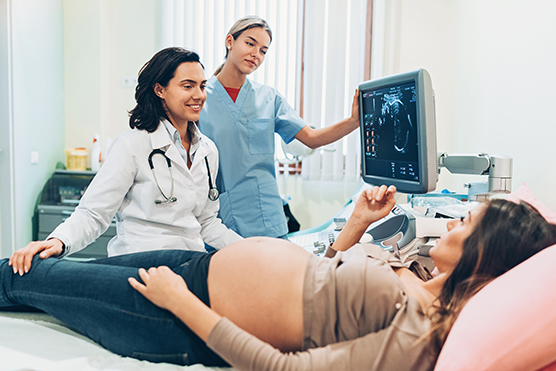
{"points": [[103, 197], [213, 231], [92, 216], [314, 138]]}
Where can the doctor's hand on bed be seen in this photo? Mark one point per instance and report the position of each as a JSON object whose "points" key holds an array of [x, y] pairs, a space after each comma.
{"points": [[373, 204], [21, 259]]}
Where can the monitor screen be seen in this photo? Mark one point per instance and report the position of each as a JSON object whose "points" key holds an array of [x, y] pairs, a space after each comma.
{"points": [[398, 132]]}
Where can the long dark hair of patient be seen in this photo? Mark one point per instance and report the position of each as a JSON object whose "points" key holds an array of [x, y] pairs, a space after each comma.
{"points": [[507, 234]]}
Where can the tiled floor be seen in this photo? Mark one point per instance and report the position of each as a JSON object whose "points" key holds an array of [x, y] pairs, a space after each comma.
{"points": [[313, 202]]}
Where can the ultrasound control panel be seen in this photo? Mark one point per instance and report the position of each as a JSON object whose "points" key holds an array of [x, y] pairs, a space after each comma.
{"points": [[394, 231]]}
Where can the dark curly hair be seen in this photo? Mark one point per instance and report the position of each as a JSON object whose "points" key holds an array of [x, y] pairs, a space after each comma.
{"points": [[149, 110]]}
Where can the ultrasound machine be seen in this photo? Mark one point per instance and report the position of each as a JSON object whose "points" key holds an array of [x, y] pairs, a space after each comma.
{"points": [[398, 147]]}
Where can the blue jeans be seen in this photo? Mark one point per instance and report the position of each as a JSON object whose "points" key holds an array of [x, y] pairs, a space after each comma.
{"points": [[96, 299]]}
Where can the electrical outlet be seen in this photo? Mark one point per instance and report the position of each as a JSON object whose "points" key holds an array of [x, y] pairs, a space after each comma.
{"points": [[129, 82], [34, 157]]}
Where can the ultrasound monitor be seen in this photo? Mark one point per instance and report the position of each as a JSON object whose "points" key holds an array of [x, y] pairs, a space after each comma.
{"points": [[398, 132]]}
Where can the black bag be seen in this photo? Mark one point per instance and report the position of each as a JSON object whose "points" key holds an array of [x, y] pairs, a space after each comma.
{"points": [[293, 224]]}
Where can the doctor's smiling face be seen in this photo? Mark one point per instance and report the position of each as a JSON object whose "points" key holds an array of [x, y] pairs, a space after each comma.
{"points": [[184, 95], [247, 51]]}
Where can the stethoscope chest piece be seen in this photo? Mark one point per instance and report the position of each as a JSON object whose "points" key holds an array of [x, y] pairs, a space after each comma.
{"points": [[213, 191], [213, 194]]}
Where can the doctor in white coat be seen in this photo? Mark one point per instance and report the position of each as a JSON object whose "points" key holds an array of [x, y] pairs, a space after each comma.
{"points": [[158, 179]]}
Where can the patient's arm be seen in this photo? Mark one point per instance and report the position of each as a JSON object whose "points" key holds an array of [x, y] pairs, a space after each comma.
{"points": [[169, 291], [395, 347], [373, 204]]}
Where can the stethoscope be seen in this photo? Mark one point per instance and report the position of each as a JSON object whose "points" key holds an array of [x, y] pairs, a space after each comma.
{"points": [[213, 191]]}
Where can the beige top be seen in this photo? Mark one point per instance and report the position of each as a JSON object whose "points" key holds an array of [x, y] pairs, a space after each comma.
{"points": [[356, 317]]}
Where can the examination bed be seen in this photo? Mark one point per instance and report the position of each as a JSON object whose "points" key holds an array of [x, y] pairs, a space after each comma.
{"points": [[37, 341], [509, 325]]}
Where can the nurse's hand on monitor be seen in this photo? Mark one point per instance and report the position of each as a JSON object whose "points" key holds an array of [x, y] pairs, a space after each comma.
{"points": [[315, 138], [21, 259]]}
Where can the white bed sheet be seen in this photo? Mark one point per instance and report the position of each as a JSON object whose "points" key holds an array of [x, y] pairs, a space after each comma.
{"points": [[37, 341]]}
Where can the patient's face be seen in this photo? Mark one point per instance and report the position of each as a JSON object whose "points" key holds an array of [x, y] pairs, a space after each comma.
{"points": [[449, 247]]}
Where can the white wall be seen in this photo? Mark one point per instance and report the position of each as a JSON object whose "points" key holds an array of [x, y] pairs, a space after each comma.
{"points": [[33, 66], [61, 68], [105, 41], [493, 66], [6, 206]]}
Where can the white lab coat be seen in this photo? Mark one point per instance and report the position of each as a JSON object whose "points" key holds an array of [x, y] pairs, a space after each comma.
{"points": [[125, 184]]}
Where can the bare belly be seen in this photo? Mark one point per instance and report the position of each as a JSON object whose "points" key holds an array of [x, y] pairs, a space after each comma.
{"points": [[257, 283]]}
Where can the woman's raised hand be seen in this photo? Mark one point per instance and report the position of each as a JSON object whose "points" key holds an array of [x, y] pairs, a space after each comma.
{"points": [[22, 258], [374, 204]]}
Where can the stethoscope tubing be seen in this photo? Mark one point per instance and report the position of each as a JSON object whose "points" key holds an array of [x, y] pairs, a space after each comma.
{"points": [[213, 194]]}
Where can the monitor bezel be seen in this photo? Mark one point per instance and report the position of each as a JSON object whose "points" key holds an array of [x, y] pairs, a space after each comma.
{"points": [[426, 117]]}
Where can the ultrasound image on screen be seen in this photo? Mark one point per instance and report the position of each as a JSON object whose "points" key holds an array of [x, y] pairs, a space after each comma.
{"points": [[390, 131]]}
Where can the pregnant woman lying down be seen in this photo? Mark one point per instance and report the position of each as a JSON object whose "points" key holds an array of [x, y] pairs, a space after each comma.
{"points": [[267, 304]]}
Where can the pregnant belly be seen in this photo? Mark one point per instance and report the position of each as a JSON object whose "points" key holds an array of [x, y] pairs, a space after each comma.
{"points": [[257, 283]]}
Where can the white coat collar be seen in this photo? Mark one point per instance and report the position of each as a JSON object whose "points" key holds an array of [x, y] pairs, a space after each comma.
{"points": [[160, 139]]}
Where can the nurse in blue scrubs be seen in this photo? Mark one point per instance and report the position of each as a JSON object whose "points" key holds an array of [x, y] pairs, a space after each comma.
{"points": [[241, 117]]}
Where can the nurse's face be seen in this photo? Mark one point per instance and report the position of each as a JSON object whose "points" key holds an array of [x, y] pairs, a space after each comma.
{"points": [[184, 96], [449, 247], [247, 52]]}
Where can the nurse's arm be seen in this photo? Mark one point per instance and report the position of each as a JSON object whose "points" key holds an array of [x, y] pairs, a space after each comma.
{"points": [[314, 138]]}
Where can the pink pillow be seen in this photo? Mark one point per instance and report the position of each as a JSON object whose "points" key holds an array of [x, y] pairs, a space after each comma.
{"points": [[523, 193], [510, 324]]}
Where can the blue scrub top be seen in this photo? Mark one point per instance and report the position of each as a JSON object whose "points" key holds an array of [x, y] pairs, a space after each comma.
{"points": [[243, 131]]}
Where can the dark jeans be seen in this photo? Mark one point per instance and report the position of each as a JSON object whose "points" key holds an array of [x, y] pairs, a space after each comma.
{"points": [[96, 299]]}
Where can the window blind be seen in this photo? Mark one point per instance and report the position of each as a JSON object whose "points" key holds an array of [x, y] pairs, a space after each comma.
{"points": [[317, 43]]}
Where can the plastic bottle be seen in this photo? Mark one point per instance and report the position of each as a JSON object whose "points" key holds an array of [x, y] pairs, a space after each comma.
{"points": [[96, 155]]}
